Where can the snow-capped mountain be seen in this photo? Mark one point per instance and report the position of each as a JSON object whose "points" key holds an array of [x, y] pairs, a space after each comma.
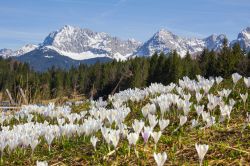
{"points": [[80, 44], [73, 45], [165, 41], [25, 49], [7, 53], [214, 42], [243, 39]]}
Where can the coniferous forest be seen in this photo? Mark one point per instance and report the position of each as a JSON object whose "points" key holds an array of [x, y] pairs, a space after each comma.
{"points": [[102, 79]]}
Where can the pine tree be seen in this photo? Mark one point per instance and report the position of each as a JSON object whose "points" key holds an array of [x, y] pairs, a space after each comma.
{"points": [[225, 60], [211, 65], [175, 67], [153, 66]]}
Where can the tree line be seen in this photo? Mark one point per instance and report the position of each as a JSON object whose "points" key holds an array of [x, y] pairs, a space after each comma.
{"points": [[102, 79]]}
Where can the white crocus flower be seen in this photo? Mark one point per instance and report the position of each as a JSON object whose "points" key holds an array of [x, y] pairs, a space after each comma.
{"points": [[183, 120], [114, 137], [247, 82], [224, 93], [198, 97], [210, 121], [236, 77], [156, 136], [232, 102], [194, 123], [145, 110], [41, 163], [160, 158], [201, 150], [244, 97], [164, 107], [132, 140], [199, 109], [33, 144], [49, 136], [152, 120], [138, 126], [94, 140], [152, 109], [218, 80], [226, 110], [163, 123]]}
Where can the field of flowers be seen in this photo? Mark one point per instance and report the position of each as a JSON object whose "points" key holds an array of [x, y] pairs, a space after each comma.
{"points": [[194, 122]]}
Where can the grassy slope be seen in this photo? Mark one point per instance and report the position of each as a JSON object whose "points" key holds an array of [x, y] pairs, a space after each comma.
{"points": [[228, 143]]}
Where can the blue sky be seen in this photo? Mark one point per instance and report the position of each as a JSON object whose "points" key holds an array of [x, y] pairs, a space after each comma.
{"points": [[30, 21]]}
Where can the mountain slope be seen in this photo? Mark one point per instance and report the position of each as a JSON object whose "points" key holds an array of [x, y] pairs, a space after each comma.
{"points": [[43, 59]]}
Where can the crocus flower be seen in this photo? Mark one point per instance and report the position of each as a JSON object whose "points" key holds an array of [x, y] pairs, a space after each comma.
{"points": [[247, 82], [152, 120], [201, 150], [114, 137], [33, 144], [199, 109], [94, 140], [41, 163], [198, 97], [146, 134], [138, 125], [49, 138], [160, 158], [164, 107], [194, 123], [183, 120], [156, 136], [244, 97], [226, 110], [132, 139], [163, 123], [218, 80], [236, 77]]}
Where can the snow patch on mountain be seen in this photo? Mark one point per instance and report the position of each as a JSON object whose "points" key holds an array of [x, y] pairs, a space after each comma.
{"points": [[77, 56]]}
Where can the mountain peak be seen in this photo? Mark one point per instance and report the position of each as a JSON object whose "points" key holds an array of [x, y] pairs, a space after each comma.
{"points": [[164, 33], [215, 37], [243, 39], [68, 29], [25, 49], [81, 43]]}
